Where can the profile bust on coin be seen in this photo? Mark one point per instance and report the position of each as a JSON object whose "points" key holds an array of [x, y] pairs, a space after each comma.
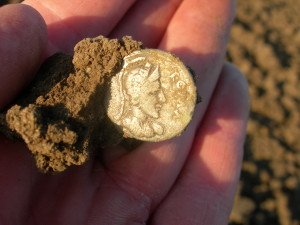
{"points": [[153, 97]]}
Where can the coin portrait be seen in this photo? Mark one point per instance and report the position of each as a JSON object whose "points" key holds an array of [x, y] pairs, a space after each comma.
{"points": [[153, 97]]}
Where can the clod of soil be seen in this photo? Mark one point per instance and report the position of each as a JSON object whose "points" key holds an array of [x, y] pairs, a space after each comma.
{"points": [[59, 114]]}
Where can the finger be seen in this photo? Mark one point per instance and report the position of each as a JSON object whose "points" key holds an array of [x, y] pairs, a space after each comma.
{"points": [[204, 192], [147, 21], [22, 42], [17, 177], [158, 164], [198, 34], [62, 198], [70, 21], [140, 179]]}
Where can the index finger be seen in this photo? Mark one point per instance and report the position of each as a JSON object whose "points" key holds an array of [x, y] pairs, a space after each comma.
{"points": [[22, 42], [70, 21]]}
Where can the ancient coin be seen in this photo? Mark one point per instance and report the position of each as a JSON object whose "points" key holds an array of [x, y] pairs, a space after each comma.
{"points": [[153, 96]]}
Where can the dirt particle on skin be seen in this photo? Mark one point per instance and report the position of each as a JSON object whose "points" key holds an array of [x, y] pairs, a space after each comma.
{"points": [[60, 113]]}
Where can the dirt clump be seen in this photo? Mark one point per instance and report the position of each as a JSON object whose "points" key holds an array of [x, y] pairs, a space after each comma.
{"points": [[60, 113]]}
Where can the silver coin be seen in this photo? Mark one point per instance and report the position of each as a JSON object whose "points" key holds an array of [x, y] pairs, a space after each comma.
{"points": [[153, 97]]}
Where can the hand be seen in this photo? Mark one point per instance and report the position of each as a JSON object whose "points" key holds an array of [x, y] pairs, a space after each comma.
{"points": [[190, 179]]}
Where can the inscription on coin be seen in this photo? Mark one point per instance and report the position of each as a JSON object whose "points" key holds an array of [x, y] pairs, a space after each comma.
{"points": [[153, 97]]}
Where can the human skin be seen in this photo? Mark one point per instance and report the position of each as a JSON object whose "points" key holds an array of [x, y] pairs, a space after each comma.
{"points": [[189, 179]]}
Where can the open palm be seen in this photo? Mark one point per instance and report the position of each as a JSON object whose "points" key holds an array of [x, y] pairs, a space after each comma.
{"points": [[190, 179]]}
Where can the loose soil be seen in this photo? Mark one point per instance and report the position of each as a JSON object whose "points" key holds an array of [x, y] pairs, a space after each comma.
{"points": [[265, 44], [61, 114]]}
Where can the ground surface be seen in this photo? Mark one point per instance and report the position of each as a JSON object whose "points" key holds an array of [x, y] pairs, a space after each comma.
{"points": [[265, 44]]}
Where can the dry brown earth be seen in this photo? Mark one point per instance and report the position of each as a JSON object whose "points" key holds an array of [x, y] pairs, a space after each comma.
{"points": [[265, 44]]}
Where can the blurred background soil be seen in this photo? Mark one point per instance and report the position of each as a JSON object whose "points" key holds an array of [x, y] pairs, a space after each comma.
{"points": [[265, 45]]}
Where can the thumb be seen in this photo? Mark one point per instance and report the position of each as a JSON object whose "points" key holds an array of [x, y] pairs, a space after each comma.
{"points": [[23, 38]]}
